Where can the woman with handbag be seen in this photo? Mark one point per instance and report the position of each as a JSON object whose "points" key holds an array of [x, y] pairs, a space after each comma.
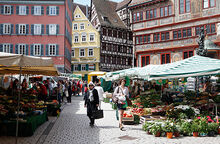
{"points": [[122, 94], [91, 102]]}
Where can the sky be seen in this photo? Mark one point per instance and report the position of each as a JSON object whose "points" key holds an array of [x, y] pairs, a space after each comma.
{"points": [[87, 2]]}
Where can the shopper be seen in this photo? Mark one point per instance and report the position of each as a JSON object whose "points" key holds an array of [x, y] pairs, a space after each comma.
{"points": [[121, 92], [100, 93], [59, 91], [69, 92], [91, 102]]}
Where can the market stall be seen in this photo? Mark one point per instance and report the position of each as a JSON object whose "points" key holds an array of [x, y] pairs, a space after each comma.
{"points": [[21, 112]]}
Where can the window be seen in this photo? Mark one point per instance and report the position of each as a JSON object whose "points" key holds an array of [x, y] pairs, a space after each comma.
{"points": [[151, 13], [82, 26], [73, 52], [179, 34], [91, 37], [83, 37], [6, 28], [187, 54], [145, 60], [162, 36], [174, 34], [209, 28], [141, 39], [213, 28], [141, 16], [37, 10], [22, 29], [184, 33], [147, 14], [75, 26], [76, 67], [165, 11], [156, 37], [134, 17], [52, 10], [208, 3], [145, 38], [52, 29], [37, 29], [7, 9], [148, 39], [76, 38], [184, 6], [52, 49], [22, 49], [165, 58], [138, 16], [161, 12], [137, 40], [167, 35], [22, 10], [170, 10], [83, 67], [90, 52], [82, 53], [6, 48], [189, 32], [155, 13], [37, 49]]}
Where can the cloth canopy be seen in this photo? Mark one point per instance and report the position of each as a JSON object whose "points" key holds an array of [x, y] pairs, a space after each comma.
{"points": [[193, 66], [11, 63]]}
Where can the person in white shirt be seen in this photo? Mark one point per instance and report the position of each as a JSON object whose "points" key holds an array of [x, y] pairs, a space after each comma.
{"points": [[100, 93]]}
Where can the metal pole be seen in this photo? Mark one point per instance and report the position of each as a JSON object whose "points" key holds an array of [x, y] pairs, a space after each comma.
{"points": [[18, 106]]}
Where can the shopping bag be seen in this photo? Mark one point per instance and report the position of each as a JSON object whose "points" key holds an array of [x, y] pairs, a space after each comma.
{"points": [[98, 114]]}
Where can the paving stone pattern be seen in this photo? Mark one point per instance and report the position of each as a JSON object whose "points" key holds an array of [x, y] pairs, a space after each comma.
{"points": [[72, 127]]}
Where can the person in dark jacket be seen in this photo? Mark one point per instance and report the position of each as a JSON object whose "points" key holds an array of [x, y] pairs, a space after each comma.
{"points": [[91, 102]]}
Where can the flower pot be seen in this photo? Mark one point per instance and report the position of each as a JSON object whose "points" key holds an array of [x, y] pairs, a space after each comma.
{"points": [[211, 133], [176, 134], [157, 134], [195, 134], [218, 130], [169, 135], [148, 132]]}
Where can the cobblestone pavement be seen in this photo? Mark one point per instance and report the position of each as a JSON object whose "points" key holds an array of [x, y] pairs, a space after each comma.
{"points": [[72, 127]]}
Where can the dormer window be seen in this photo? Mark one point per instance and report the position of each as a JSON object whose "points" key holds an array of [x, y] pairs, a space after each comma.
{"points": [[105, 18]]}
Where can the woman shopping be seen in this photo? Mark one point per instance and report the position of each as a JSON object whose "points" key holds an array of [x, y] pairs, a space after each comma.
{"points": [[121, 93], [91, 102]]}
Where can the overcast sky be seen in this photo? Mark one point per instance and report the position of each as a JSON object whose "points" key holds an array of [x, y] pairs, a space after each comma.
{"points": [[87, 2]]}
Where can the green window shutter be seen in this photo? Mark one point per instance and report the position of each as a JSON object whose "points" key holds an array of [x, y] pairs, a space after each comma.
{"points": [[2, 9], [58, 29], [17, 10], [1, 29], [57, 50], [11, 48], [42, 29], [47, 29], [42, 50], [32, 29], [32, 10], [87, 67], [79, 67], [27, 47], [16, 48], [12, 9], [16, 29], [47, 50], [27, 10], [57, 8], [1, 47], [48, 10], [32, 50], [42, 10], [27, 28], [12, 28], [72, 66]]}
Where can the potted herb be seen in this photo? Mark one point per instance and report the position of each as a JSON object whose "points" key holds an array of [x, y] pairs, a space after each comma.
{"points": [[156, 129], [169, 129], [212, 129]]}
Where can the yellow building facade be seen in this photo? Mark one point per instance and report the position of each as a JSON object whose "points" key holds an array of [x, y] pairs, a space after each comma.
{"points": [[85, 45]]}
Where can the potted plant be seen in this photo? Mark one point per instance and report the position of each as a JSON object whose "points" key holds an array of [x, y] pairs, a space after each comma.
{"points": [[212, 129], [177, 131], [204, 126], [169, 129], [185, 129], [195, 128], [156, 129], [147, 126]]}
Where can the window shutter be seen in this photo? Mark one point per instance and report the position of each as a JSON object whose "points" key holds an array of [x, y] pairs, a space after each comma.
{"points": [[27, 28], [42, 10], [16, 29], [48, 10], [1, 29], [47, 50], [2, 9], [32, 10], [87, 67], [16, 48], [47, 29], [42, 29], [32, 50], [94, 67], [58, 29], [72, 66], [42, 50], [12, 28], [57, 50], [32, 29], [17, 10], [57, 8], [1, 47], [12, 9], [11, 48], [79, 67], [27, 10], [27, 47]]}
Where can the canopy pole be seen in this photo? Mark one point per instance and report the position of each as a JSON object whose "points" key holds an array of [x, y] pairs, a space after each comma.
{"points": [[18, 106]]}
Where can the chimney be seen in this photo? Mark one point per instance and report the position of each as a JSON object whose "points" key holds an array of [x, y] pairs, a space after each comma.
{"points": [[87, 11]]}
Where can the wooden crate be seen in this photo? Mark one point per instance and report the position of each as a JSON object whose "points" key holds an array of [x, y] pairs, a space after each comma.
{"points": [[150, 117]]}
